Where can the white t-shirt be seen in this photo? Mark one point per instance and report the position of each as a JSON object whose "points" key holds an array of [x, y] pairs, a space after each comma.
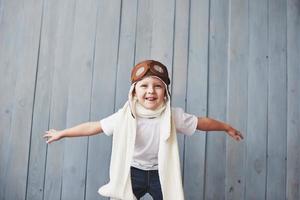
{"points": [[147, 136]]}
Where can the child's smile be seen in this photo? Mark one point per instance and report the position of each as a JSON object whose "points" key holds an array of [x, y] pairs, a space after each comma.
{"points": [[150, 92]]}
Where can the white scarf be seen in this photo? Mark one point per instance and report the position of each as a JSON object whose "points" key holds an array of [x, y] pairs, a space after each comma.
{"points": [[119, 186], [147, 113]]}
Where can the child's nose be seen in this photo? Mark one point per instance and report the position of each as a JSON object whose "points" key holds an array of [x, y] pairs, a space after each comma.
{"points": [[150, 90]]}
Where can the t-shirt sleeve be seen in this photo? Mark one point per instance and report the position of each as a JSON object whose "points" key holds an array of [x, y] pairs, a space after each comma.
{"points": [[108, 124], [185, 123]]}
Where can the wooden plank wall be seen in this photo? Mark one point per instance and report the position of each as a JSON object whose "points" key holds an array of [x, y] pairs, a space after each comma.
{"points": [[63, 62]]}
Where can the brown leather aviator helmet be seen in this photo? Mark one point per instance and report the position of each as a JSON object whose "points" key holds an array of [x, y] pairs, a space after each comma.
{"points": [[150, 68]]}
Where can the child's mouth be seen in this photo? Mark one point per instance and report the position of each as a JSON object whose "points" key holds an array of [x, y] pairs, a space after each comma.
{"points": [[150, 98]]}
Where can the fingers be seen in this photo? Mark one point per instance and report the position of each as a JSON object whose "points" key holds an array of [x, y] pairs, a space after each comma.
{"points": [[235, 134], [49, 141], [51, 131], [239, 136], [49, 136]]}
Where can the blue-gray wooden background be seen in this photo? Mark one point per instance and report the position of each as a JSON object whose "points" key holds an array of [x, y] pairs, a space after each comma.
{"points": [[63, 62]]}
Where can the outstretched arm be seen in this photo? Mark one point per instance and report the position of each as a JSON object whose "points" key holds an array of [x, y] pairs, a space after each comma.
{"points": [[208, 124], [85, 129]]}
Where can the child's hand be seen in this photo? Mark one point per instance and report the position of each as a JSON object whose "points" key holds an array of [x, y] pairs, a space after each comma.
{"points": [[235, 134], [52, 135]]}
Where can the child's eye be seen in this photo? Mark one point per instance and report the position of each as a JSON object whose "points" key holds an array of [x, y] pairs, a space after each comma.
{"points": [[158, 86], [143, 85]]}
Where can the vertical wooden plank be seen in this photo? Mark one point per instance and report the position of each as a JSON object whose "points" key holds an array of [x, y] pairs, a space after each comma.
{"points": [[42, 105], [180, 56], [9, 29], [79, 97], [22, 53], [277, 102], [237, 97], [57, 30], [216, 142], [57, 120], [194, 164], [126, 51], [103, 93], [143, 30], [293, 92], [180, 59], [163, 32], [8, 79], [257, 100]]}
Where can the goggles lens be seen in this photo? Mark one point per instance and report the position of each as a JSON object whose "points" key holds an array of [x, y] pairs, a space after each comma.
{"points": [[140, 71], [158, 69]]}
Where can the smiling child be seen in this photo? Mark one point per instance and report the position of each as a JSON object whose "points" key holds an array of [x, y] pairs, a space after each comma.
{"points": [[145, 155]]}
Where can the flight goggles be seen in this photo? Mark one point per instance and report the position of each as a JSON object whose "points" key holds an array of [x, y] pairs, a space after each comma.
{"points": [[150, 68]]}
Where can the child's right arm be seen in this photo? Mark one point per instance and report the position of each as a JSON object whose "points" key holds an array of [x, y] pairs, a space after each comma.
{"points": [[85, 129]]}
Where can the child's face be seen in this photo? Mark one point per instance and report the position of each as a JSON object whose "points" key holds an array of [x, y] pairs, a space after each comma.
{"points": [[150, 92]]}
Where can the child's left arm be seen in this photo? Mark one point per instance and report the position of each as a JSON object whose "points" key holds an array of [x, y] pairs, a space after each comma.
{"points": [[208, 124]]}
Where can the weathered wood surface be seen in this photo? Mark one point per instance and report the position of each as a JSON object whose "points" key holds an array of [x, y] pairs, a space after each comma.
{"points": [[256, 163], [64, 62], [277, 101], [238, 51], [293, 96], [196, 102]]}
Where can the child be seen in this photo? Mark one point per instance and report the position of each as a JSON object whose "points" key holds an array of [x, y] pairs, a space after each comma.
{"points": [[145, 150]]}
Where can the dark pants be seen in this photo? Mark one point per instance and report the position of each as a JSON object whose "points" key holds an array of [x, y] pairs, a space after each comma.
{"points": [[145, 181]]}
